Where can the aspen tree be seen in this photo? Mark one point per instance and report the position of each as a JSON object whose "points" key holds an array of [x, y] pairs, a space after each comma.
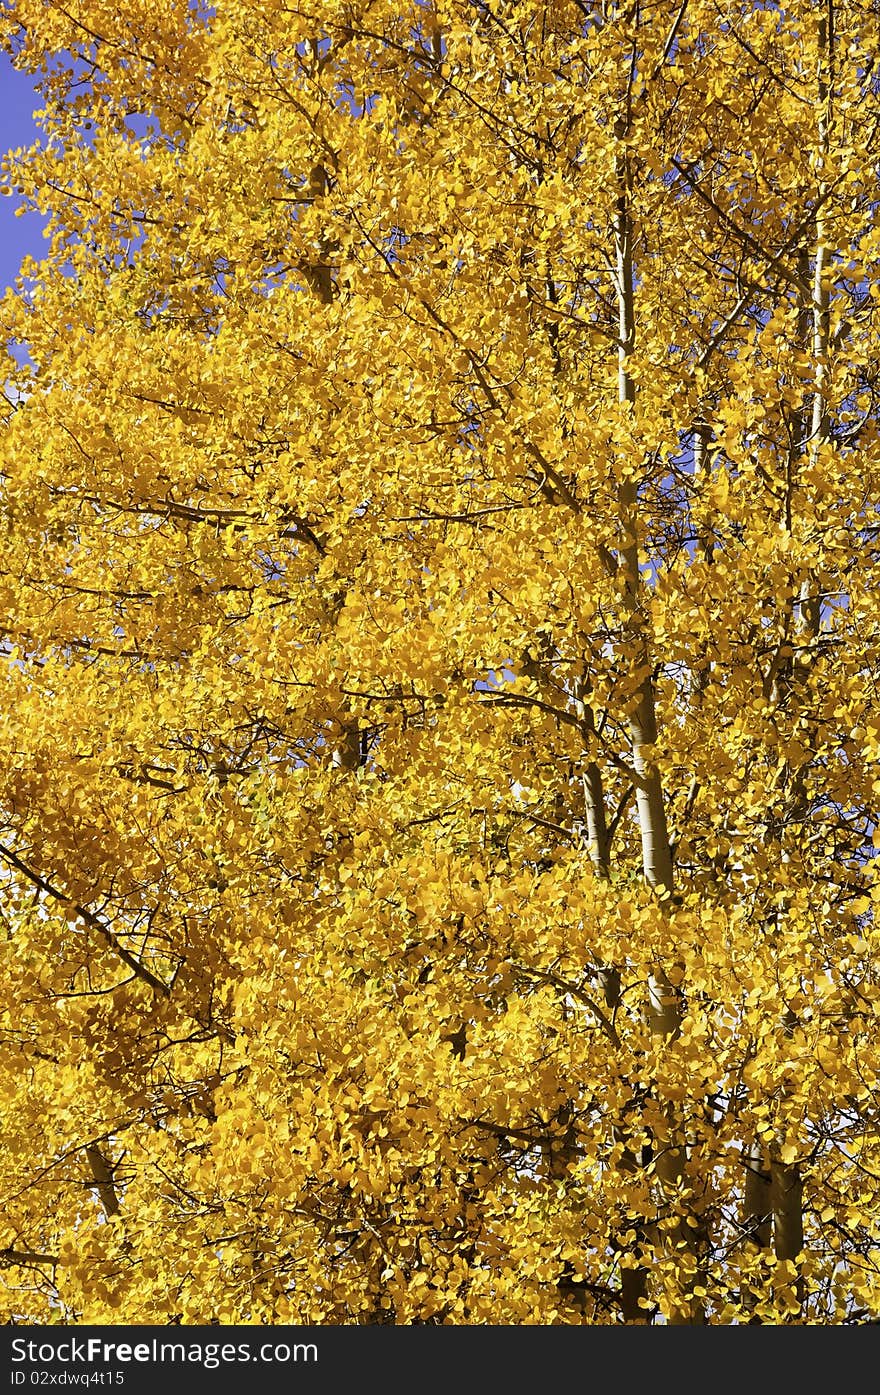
{"points": [[438, 795]]}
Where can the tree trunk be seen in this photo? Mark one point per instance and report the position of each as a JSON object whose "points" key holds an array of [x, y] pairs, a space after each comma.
{"points": [[664, 1001], [103, 1179]]}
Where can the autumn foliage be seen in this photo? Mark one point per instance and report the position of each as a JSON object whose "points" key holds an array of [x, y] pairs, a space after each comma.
{"points": [[439, 731]]}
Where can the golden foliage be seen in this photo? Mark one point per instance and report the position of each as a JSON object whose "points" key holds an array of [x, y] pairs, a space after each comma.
{"points": [[438, 756]]}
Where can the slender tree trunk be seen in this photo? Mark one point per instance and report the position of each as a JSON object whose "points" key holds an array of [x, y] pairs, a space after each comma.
{"points": [[346, 754], [757, 1210], [788, 1220], [757, 1197], [103, 1179], [597, 821], [656, 849], [664, 1003], [787, 1181]]}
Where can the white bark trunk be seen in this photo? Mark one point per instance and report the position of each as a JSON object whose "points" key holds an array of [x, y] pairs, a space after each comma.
{"points": [[787, 1181], [664, 1004]]}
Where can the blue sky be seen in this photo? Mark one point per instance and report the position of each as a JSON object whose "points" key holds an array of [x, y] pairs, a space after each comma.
{"points": [[19, 237]]}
